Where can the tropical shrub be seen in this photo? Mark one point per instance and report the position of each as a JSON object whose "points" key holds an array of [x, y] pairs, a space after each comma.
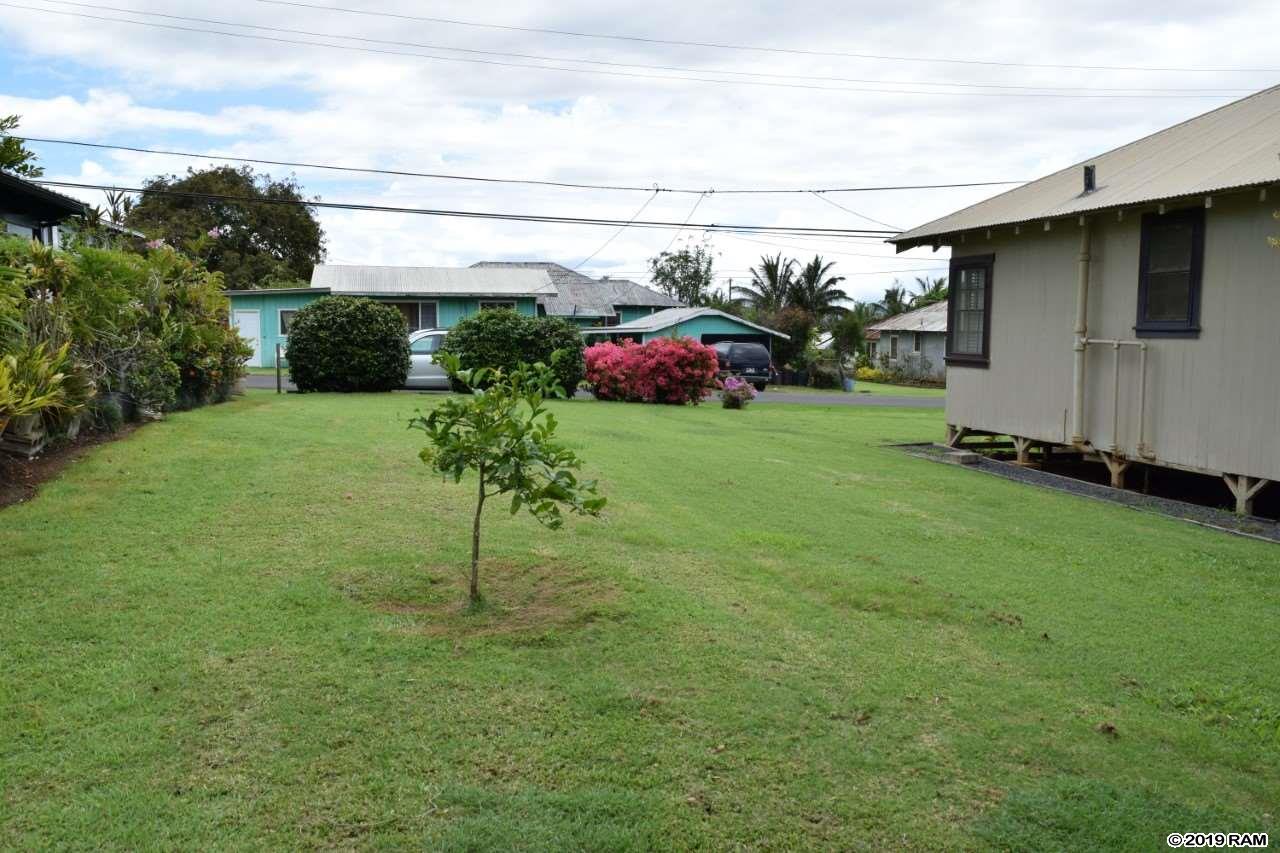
{"points": [[869, 374], [114, 325], [504, 433], [663, 370], [506, 339], [824, 376], [345, 343], [736, 393]]}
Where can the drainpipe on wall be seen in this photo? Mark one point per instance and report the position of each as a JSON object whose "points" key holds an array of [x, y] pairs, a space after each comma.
{"points": [[1081, 331]]}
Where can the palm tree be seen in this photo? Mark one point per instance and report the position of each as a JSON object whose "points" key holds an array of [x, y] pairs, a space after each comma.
{"points": [[771, 283], [867, 312], [815, 289], [929, 291], [895, 301]]}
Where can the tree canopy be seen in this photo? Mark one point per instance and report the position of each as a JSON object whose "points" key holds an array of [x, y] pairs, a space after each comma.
{"points": [[686, 274], [271, 241], [15, 157]]}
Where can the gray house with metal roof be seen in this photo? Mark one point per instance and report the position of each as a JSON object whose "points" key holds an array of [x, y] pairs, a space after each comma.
{"points": [[1126, 306], [915, 341]]}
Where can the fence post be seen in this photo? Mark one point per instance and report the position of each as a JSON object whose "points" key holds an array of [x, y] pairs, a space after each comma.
{"points": [[279, 384]]}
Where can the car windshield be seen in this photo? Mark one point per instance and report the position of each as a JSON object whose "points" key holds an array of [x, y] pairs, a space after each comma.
{"points": [[426, 345]]}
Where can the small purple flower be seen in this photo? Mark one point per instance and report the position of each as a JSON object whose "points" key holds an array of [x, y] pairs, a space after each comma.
{"points": [[154, 244]]}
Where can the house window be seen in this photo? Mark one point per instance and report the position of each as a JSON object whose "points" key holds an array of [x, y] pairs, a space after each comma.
{"points": [[893, 346], [491, 306], [969, 311], [872, 349], [286, 319], [917, 342], [1171, 261], [417, 315]]}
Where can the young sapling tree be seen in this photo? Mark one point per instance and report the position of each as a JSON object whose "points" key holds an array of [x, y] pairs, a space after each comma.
{"points": [[503, 432]]}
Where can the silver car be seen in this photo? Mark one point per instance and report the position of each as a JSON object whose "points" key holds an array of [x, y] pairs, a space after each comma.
{"points": [[423, 370]]}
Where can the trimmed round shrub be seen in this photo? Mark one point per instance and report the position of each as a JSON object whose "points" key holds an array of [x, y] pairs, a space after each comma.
{"points": [[346, 343], [505, 339]]}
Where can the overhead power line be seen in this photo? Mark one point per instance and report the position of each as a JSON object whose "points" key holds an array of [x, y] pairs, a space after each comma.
{"points": [[591, 71], [1216, 91], [762, 48], [469, 214], [854, 212], [525, 181], [615, 234]]}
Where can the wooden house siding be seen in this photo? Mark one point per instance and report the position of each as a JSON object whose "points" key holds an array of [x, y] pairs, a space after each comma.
{"points": [[1213, 401]]}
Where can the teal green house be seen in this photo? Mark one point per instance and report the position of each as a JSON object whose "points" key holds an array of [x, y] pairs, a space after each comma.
{"points": [[705, 325], [429, 298]]}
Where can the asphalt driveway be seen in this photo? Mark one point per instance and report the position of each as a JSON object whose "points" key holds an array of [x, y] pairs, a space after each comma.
{"points": [[835, 398]]}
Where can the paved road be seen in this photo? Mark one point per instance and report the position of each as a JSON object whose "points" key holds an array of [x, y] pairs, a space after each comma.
{"points": [[835, 398]]}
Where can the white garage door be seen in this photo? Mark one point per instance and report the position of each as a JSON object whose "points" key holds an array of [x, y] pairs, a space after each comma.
{"points": [[249, 325]]}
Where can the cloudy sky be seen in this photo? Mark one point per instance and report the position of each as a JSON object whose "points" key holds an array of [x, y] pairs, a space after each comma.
{"points": [[844, 95]]}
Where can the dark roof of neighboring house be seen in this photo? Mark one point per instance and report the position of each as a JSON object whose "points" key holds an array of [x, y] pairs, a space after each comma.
{"points": [[1234, 146], [578, 295], [20, 196]]}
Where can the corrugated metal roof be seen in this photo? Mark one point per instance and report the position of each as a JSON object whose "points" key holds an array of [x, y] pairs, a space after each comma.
{"points": [[1232, 147], [433, 281], [660, 320], [930, 318], [578, 295]]}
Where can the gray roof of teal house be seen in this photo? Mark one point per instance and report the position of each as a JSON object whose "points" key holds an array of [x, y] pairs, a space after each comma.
{"points": [[578, 295], [930, 318], [1233, 147], [432, 281], [659, 320]]}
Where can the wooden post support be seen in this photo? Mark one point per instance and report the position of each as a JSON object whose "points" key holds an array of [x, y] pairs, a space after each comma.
{"points": [[1245, 489], [956, 434], [1023, 447], [1117, 465]]}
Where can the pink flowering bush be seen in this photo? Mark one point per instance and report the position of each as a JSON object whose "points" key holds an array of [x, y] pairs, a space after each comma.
{"points": [[736, 393], [664, 370]]}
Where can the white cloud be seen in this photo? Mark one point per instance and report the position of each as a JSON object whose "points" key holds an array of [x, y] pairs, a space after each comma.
{"points": [[167, 88]]}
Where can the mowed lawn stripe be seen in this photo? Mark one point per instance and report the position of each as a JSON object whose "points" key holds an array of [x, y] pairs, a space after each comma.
{"points": [[242, 627]]}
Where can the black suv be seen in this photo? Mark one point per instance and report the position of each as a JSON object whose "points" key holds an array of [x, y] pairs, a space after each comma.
{"points": [[751, 362]]}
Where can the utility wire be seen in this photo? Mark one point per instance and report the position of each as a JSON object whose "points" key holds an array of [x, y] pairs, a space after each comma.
{"points": [[820, 196], [627, 74], [615, 234], [760, 48], [524, 181], [692, 211], [468, 214], [1218, 90]]}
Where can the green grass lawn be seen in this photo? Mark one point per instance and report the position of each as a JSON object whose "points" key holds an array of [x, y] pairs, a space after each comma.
{"points": [[242, 628], [879, 389]]}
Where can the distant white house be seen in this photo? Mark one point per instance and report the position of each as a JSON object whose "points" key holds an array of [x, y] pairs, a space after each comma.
{"points": [[915, 341]]}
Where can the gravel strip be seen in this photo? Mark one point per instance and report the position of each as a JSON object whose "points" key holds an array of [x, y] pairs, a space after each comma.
{"points": [[1228, 522]]}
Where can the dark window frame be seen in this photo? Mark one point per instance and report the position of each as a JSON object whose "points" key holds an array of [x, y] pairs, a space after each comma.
{"points": [[1190, 327], [917, 341], [966, 359], [498, 305]]}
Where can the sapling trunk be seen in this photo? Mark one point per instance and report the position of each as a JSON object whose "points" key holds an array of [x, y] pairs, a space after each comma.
{"points": [[475, 544]]}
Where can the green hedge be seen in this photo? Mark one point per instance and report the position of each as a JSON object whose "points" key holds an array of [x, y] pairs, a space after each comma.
{"points": [[345, 343], [504, 339]]}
